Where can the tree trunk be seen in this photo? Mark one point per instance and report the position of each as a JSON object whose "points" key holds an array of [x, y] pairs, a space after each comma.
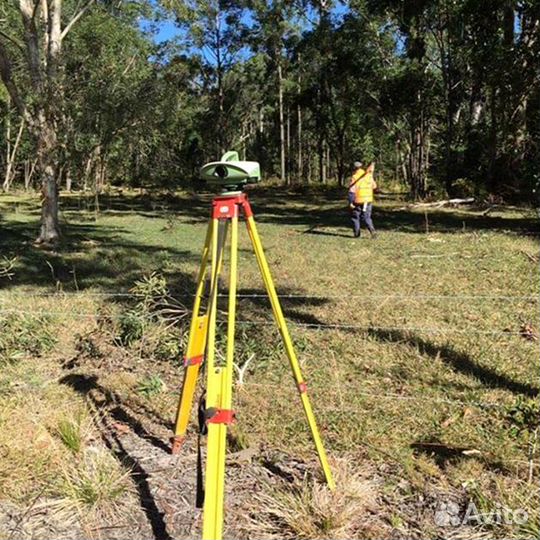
{"points": [[283, 173], [69, 180], [299, 167], [28, 173], [49, 232], [492, 180], [340, 158], [322, 160], [8, 144], [288, 146], [11, 158]]}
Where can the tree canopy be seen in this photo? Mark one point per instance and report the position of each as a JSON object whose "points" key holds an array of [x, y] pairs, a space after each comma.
{"points": [[443, 95]]}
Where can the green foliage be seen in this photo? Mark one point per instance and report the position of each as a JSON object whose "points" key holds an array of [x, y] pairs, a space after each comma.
{"points": [[443, 96], [169, 347], [151, 386], [71, 433], [463, 187], [131, 326], [149, 290], [24, 335], [523, 416]]}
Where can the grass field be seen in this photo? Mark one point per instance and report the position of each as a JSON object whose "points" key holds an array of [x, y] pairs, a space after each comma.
{"points": [[420, 349]]}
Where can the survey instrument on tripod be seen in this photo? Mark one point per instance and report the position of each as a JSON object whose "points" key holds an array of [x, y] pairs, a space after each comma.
{"points": [[227, 209]]}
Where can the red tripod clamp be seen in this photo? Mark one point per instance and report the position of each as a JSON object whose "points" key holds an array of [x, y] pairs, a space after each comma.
{"points": [[227, 206], [219, 416]]}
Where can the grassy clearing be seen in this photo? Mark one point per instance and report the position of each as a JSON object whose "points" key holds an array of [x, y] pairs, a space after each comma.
{"points": [[413, 345]]}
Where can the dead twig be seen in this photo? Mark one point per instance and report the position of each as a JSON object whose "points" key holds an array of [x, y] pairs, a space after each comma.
{"points": [[533, 258]]}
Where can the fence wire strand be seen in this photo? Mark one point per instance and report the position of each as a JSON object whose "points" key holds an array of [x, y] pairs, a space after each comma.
{"points": [[316, 326], [284, 296]]}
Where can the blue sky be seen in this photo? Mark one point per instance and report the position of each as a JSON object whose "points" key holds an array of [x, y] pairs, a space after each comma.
{"points": [[163, 30], [166, 29]]}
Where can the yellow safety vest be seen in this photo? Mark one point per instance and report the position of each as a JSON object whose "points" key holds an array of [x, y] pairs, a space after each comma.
{"points": [[364, 189], [358, 174]]}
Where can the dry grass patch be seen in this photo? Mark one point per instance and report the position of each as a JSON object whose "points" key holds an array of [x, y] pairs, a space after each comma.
{"points": [[91, 489], [311, 511]]}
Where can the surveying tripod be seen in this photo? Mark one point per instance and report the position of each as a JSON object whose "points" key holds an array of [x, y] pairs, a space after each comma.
{"points": [[201, 345]]}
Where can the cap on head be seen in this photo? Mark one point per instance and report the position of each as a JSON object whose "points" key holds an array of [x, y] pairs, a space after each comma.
{"points": [[357, 164]]}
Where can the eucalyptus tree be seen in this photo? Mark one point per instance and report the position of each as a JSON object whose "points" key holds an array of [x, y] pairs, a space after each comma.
{"points": [[214, 33], [34, 40], [276, 25], [112, 90]]}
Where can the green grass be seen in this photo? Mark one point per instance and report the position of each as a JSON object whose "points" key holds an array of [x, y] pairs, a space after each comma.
{"points": [[410, 344]]}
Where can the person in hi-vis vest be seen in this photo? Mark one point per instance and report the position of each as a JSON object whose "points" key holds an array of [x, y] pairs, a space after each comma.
{"points": [[361, 188]]}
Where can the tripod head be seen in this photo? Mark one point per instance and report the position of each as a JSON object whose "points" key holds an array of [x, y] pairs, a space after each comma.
{"points": [[230, 173]]}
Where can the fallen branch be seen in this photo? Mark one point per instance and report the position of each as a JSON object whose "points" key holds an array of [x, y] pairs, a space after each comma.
{"points": [[440, 204], [530, 256]]}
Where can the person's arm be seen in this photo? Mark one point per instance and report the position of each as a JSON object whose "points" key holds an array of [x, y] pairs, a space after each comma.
{"points": [[351, 193]]}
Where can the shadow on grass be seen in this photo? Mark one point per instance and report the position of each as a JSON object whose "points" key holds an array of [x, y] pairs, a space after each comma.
{"points": [[326, 213], [460, 362], [89, 388], [445, 454], [95, 256], [278, 206], [315, 232]]}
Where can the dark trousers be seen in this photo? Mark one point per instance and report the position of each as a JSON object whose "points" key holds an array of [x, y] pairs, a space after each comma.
{"points": [[358, 215]]}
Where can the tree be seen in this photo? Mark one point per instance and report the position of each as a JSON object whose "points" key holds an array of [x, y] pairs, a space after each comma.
{"points": [[37, 94]]}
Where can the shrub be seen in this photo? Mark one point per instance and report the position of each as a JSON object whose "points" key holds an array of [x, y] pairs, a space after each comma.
{"points": [[151, 386], [131, 327]]}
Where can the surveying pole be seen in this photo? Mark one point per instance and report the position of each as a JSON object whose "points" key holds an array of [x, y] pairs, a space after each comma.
{"points": [[218, 414]]}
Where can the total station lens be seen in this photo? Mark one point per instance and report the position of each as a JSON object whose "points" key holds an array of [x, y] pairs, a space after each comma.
{"points": [[221, 171]]}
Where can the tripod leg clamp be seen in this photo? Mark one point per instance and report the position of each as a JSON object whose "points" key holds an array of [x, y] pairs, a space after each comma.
{"points": [[219, 416], [194, 360]]}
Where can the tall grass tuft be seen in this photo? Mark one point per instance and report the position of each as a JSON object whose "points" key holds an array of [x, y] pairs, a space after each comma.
{"points": [[74, 431], [312, 511], [93, 487]]}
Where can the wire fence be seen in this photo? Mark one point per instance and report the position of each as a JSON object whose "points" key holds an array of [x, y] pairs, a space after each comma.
{"points": [[343, 409], [389, 396], [314, 326], [284, 296]]}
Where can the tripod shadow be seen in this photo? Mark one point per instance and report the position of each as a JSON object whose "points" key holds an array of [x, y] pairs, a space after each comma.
{"points": [[88, 386], [459, 361]]}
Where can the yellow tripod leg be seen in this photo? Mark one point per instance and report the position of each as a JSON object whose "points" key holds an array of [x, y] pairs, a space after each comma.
{"points": [[194, 353], [193, 359], [280, 320], [219, 413], [197, 340]]}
